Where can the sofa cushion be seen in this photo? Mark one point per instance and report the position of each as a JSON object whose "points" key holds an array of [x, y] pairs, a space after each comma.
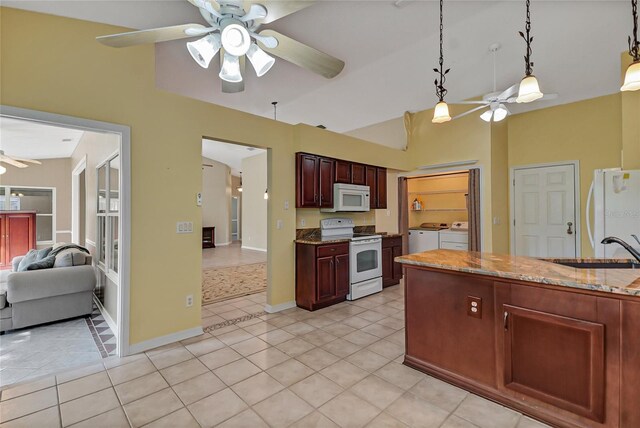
{"points": [[45, 263], [70, 257]]}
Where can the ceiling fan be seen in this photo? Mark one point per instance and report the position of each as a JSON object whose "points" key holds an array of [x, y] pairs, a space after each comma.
{"points": [[15, 161], [496, 101], [233, 31]]}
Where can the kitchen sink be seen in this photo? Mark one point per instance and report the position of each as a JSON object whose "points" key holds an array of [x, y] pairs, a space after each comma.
{"points": [[598, 265]]}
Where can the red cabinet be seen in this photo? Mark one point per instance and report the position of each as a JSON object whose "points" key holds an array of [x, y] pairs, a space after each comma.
{"points": [[316, 175], [17, 235], [322, 274], [391, 271]]}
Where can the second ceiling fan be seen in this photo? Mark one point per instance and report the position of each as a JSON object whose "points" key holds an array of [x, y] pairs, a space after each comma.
{"points": [[233, 31]]}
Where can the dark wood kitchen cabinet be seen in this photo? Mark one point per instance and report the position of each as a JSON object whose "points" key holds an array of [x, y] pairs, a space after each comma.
{"points": [[391, 271], [316, 175], [322, 274], [17, 235]]}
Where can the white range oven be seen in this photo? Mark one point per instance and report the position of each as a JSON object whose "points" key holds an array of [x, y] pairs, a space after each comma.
{"points": [[349, 198], [365, 256]]}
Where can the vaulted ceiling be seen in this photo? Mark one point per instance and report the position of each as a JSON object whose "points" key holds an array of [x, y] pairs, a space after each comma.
{"points": [[390, 52]]}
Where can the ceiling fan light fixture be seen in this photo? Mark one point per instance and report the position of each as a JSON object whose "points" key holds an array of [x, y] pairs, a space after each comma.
{"points": [[235, 39], [260, 60], [632, 78], [500, 113], [441, 113], [203, 50], [529, 90], [487, 115], [230, 71]]}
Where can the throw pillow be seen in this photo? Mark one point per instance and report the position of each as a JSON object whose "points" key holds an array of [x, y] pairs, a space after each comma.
{"points": [[45, 263], [29, 258]]}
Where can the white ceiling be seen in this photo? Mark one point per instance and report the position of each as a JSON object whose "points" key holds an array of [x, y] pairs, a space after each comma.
{"points": [[390, 52], [228, 154], [33, 140]]}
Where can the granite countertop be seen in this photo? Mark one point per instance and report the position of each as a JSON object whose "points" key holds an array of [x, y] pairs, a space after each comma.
{"points": [[316, 240], [620, 281], [312, 236]]}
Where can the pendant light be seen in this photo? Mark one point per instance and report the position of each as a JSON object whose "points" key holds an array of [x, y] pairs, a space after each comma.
{"points": [[529, 88], [632, 76], [441, 111]]}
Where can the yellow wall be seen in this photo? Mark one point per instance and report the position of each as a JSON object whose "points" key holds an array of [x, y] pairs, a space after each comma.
{"points": [[500, 187], [71, 74], [589, 131], [423, 189]]}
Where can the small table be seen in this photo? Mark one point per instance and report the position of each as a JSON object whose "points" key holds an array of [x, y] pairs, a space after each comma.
{"points": [[208, 237]]}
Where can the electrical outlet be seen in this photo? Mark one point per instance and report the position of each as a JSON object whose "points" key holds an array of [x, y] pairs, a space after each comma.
{"points": [[388, 213], [474, 306], [303, 222], [286, 205], [189, 300], [184, 227], [278, 224], [496, 220], [199, 199]]}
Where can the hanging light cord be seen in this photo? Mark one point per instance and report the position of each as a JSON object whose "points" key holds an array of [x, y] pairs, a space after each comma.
{"points": [[528, 40], [440, 89], [634, 48], [275, 110]]}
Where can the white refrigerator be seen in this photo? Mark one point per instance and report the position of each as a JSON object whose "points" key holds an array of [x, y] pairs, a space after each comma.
{"points": [[615, 195]]}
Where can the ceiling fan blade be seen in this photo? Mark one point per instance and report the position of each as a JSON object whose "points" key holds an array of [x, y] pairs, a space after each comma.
{"points": [[6, 159], [154, 35], [33, 161], [210, 6], [257, 11], [279, 9], [473, 102], [508, 93], [233, 87], [468, 112], [303, 56]]}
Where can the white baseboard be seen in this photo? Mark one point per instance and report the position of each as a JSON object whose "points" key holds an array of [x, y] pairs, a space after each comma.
{"points": [[281, 307], [223, 244], [112, 325], [244, 247], [164, 340]]}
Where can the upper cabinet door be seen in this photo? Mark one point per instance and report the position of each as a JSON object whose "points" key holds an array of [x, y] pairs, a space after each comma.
{"points": [[381, 177], [343, 171], [358, 174], [307, 175], [327, 167], [372, 182]]}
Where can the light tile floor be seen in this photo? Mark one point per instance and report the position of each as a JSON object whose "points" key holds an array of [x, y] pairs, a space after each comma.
{"points": [[231, 255], [336, 367]]}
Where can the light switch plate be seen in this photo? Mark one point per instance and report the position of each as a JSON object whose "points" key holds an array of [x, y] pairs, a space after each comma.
{"points": [[184, 227], [278, 224]]}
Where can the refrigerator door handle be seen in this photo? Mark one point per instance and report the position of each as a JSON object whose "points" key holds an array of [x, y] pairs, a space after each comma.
{"points": [[588, 215]]}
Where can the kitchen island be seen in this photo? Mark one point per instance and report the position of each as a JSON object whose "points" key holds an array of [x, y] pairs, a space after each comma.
{"points": [[559, 343]]}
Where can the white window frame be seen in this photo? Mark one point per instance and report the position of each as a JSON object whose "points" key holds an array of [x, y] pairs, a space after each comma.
{"points": [[105, 266], [7, 207]]}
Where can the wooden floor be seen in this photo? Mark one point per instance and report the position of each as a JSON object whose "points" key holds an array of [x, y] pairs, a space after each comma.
{"points": [[231, 255]]}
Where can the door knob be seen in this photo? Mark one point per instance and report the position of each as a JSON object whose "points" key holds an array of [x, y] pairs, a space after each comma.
{"points": [[569, 230]]}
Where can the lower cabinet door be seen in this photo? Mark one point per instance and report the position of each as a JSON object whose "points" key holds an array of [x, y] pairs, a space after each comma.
{"points": [[325, 281], [397, 267], [387, 266], [342, 275], [555, 359]]}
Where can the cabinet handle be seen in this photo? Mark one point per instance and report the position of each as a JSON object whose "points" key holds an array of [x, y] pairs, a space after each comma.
{"points": [[505, 320]]}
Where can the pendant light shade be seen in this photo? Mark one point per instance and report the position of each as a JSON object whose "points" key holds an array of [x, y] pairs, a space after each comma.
{"points": [[230, 71], [235, 39], [487, 115], [261, 61], [529, 90], [205, 49], [441, 113], [632, 78], [500, 113]]}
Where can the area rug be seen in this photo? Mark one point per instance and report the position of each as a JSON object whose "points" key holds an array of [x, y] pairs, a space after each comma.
{"points": [[228, 282]]}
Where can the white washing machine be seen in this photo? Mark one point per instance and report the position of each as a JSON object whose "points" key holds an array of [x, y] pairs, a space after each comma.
{"points": [[456, 237], [425, 237]]}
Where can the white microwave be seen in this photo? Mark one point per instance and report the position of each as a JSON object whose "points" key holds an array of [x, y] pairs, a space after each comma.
{"points": [[349, 198]]}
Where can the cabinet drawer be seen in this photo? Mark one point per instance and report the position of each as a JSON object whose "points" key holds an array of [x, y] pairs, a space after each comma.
{"points": [[332, 250]]}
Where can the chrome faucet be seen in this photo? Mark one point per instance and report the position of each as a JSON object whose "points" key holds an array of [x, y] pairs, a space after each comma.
{"points": [[629, 248]]}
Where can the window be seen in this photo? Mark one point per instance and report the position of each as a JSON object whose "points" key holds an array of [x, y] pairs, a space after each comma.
{"points": [[108, 207], [42, 200]]}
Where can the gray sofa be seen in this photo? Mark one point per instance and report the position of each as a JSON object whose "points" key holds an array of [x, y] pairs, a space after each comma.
{"points": [[40, 296]]}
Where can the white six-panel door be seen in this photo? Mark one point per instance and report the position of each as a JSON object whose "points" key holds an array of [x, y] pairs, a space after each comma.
{"points": [[545, 211]]}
